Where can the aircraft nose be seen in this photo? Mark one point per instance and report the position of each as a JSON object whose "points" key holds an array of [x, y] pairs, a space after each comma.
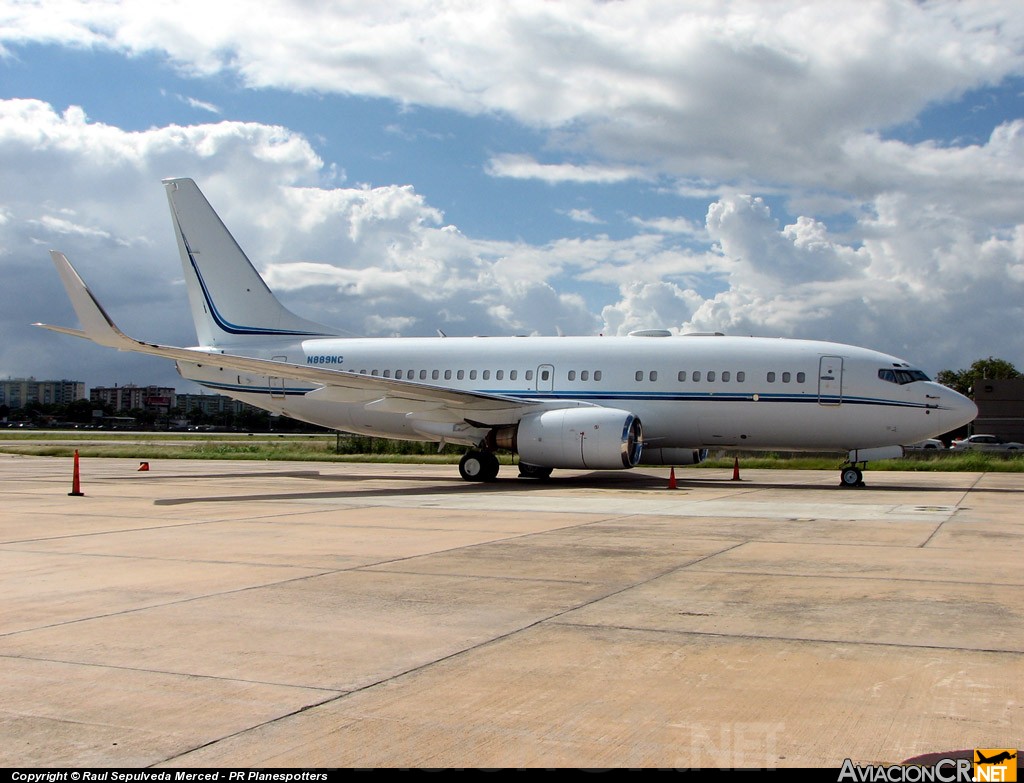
{"points": [[960, 410]]}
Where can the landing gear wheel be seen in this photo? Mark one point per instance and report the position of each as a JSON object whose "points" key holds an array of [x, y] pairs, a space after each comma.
{"points": [[533, 471], [491, 466], [851, 477], [478, 466]]}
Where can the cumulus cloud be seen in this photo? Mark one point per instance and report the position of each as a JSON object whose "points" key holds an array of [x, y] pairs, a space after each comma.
{"points": [[921, 281], [776, 117], [698, 89], [382, 261], [375, 261]]}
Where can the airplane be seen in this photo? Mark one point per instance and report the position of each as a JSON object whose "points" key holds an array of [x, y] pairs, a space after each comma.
{"points": [[587, 402], [998, 758]]}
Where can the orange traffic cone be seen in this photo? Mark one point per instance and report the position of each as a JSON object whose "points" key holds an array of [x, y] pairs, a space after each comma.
{"points": [[143, 466], [672, 478], [76, 486], [736, 469]]}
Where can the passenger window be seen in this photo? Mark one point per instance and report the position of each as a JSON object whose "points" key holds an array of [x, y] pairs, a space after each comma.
{"points": [[460, 375], [411, 374], [741, 376], [597, 375], [472, 375], [639, 375], [487, 375], [785, 377], [398, 374], [725, 376], [423, 375], [696, 376], [434, 374], [711, 376], [512, 375], [447, 375], [801, 377], [529, 375], [362, 372], [771, 377], [546, 375], [387, 373], [500, 375], [682, 376], [584, 375], [654, 375], [572, 375]]}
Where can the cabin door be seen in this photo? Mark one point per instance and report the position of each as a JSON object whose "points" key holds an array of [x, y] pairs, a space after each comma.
{"points": [[830, 380]]}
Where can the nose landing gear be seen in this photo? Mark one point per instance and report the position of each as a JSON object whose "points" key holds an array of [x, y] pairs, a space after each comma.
{"points": [[851, 476]]}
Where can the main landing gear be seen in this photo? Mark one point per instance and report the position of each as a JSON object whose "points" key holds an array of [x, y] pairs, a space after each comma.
{"points": [[478, 466], [481, 465]]}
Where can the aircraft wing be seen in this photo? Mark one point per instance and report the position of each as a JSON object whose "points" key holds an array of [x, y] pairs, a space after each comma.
{"points": [[446, 403]]}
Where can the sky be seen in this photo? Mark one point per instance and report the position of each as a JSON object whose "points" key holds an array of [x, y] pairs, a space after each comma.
{"points": [[847, 171]]}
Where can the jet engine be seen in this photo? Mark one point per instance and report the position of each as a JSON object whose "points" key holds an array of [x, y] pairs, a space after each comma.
{"points": [[589, 438]]}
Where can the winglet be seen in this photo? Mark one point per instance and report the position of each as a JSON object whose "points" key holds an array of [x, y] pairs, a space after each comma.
{"points": [[96, 324]]}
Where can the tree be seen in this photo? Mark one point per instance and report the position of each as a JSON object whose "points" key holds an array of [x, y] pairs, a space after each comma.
{"points": [[80, 411], [988, 369]]}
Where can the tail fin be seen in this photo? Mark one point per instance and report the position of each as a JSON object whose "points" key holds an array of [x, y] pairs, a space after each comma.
{"points": [[230, 302]]}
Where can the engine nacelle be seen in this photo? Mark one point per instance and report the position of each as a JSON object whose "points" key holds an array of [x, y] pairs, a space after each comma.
{"points": [[673, 456], [590, 438]]}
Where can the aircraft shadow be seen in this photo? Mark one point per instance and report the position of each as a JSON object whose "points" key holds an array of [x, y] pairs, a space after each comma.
{"points": [[432, 485]]}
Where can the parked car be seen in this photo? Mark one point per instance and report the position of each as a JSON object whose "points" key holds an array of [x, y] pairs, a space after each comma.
{"points": [[985, 443], [926, 445]]}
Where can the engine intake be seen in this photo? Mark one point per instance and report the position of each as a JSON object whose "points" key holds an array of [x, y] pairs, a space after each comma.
{"points": [[590, 438]]}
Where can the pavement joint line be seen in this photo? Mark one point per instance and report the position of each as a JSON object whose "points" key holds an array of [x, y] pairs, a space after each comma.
{"points": [[169, 673], [880, 577], [957, 509], [266, 518], [799, 639], [176, 602], [113, 531], [254, 727], [154, 558]]}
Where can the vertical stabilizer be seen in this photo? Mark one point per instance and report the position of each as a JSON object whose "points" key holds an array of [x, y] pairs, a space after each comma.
{"points": [[230, 302]]}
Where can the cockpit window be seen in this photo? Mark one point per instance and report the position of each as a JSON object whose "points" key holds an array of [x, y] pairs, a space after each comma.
{"points": [[902, 376]]}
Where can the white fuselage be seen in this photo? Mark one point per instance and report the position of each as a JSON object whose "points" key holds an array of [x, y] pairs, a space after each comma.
{"points": [[689, 392]]}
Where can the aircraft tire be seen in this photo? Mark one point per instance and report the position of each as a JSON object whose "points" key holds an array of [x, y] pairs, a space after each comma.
{"points": [[492, 464], [851, 477], [478, 466]]}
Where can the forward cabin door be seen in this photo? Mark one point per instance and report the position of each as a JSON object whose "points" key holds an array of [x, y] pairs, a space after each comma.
{"points": [[830, 380]]}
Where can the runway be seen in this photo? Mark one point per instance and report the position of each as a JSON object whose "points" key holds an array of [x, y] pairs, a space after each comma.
{"points": [[257, 614]]}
